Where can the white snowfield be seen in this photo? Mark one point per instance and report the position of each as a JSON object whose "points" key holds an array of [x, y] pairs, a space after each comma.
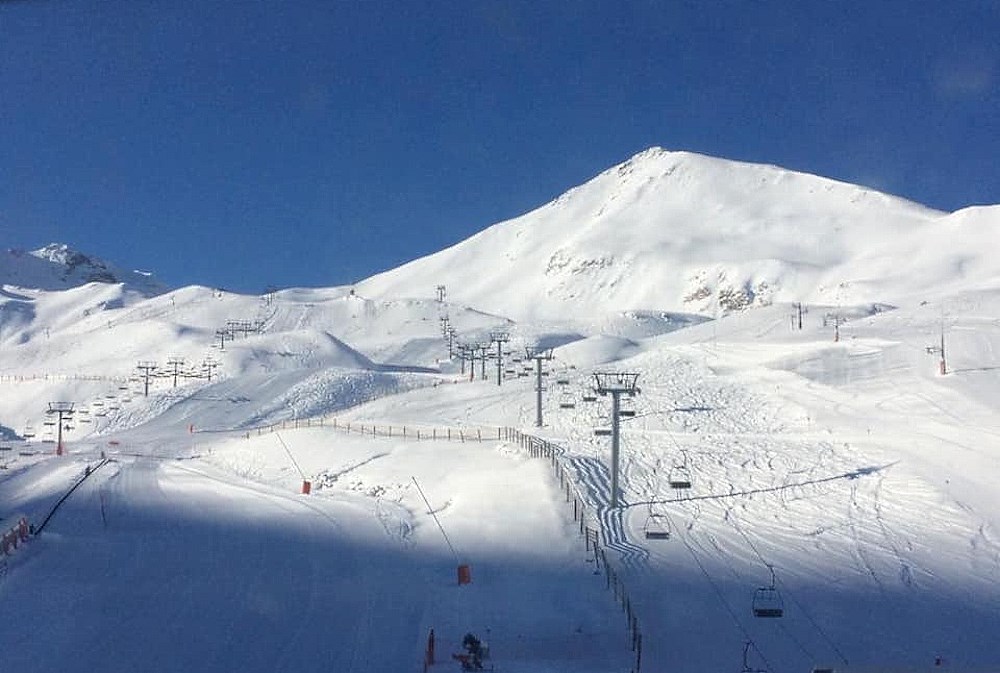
{"points": [[866, 479]]}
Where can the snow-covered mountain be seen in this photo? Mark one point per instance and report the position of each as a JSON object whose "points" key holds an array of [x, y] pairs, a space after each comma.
{"points": [[684, 232], [59, 267], [849, 482]]}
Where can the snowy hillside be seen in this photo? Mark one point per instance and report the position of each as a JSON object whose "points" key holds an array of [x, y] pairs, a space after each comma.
{"points": [[682, 232], [293, 481], [59, 267]]}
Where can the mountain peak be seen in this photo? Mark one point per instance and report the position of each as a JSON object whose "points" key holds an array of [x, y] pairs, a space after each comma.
{"points": [[58, 266], [691, 233]]}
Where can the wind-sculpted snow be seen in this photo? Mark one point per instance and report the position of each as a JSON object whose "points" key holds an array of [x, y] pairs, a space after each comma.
{"points": [[334, 390]]}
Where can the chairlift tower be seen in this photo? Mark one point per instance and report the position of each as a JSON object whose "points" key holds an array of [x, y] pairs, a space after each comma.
{"points": [[939, 349], [63, 411], [441, 292], [797, 316], [499, 338], [208, 365], [615, 384], [176, 363], [539, 355], [221, 335], [463, 354], [836, 320], [147, 368], [484, 350]]}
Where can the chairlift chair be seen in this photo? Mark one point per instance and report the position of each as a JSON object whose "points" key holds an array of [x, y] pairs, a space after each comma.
{"points": [[626, 413], [680, 477], [566, 400], [562, 382], [656, 527], [767, 601], [602, 432], [589, 398]]}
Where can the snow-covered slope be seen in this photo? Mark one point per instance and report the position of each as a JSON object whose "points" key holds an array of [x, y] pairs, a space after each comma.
{"points": [[688, 233], [59, 267], [864, 477]]}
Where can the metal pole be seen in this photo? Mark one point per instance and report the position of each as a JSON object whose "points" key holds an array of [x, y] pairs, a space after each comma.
{"points": [[59, 444], [615, 404], [499, 362], [538, 391]]}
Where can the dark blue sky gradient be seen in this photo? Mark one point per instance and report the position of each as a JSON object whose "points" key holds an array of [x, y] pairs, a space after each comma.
{"points": [[242, 144]]}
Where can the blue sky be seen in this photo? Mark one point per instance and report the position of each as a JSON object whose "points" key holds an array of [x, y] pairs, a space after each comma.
{"points": [[243, 144]]}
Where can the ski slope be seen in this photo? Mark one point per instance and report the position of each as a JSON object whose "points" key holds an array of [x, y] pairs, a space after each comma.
{"points": [[837, 455], [862, 476]]}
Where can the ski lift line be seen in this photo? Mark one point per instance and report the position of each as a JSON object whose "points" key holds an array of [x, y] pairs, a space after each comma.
{"points": [[791, 636], [789, 594], [754, 491], [290, 456], [721, 597]]}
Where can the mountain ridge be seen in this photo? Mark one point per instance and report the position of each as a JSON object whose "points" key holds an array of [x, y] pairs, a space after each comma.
{"points": [[58, 266], [680, 231]]}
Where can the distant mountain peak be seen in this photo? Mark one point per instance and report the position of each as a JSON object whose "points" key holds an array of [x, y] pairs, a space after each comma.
{"points": [[58, 266], [685, 232]]}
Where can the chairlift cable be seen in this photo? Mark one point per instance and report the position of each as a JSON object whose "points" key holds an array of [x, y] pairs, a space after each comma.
{"points": [[722, 598], [791, 596]]}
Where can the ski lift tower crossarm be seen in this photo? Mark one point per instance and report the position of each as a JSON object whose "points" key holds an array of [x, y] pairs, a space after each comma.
{"points": [[539, 355], [615, 384]]}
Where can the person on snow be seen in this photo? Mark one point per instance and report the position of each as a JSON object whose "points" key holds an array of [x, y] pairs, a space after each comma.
{"points": [[474, 647]]}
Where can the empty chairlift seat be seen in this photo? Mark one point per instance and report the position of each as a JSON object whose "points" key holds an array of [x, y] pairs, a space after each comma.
{"points": [[680, 477], [656, 527], [566, 401], [767, 601]]}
